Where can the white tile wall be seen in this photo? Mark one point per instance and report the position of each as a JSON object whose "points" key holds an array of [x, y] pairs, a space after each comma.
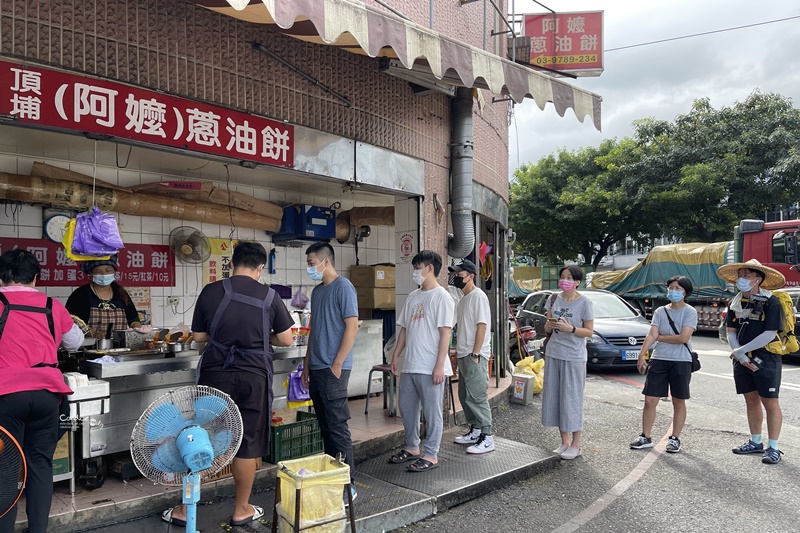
{"points": [[290, 262]]}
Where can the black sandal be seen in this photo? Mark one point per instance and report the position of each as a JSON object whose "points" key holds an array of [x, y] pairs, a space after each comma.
{"points": [[402, 456], [421, 465]]}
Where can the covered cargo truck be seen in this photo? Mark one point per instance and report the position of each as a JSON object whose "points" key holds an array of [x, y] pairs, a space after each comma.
{"points": [[644, 284]]}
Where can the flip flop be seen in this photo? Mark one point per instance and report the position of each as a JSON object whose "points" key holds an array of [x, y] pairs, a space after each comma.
{"points": [[166, 516], [421, 465], [402, 456], [258, 512]]}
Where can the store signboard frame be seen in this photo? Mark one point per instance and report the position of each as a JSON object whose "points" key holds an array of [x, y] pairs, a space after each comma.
{"points": [[568, 42]]}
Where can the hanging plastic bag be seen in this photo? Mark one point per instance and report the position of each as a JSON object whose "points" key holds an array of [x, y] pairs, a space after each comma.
{"points": [[296, 392], [96, 234], [69, 236], [299, 300]]}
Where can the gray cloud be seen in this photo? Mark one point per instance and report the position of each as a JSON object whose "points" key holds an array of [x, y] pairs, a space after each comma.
{"points": [[662, 80]]}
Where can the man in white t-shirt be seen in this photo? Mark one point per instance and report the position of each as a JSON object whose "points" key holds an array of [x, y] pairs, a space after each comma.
{"points": [[473, 316], [425, 324]]}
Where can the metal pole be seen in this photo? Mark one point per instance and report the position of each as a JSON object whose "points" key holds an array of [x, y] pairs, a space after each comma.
{"points": [[430, 4], [514, 38], [484, 24]]}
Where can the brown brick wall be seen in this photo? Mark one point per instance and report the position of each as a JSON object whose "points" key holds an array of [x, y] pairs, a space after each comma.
{"points": [[177, 47]]}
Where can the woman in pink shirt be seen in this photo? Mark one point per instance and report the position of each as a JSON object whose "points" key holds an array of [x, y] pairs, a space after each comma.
{"points": [[32, 325]]}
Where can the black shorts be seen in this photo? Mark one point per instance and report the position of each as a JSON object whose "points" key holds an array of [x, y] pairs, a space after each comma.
{"points": [[253, 397], [671, 377], [767, 380]]}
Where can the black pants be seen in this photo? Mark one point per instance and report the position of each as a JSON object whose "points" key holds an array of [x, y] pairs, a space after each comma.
{"points": [[330, 403], [32, 418]]}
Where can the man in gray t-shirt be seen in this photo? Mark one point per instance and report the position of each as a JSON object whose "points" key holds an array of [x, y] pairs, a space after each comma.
{"points": [[329, 356]]}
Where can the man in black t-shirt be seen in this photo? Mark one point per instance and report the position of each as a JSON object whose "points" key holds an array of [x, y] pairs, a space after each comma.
{"points": [[753, 320], [239, 318]]}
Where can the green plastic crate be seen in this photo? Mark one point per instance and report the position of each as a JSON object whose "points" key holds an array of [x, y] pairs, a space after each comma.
{"points": [[297, 439]]}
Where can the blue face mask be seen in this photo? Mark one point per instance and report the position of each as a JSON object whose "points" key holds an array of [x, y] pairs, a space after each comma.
{"points": [[103, 279], [675, 296], [744, 284], [314, 274]]}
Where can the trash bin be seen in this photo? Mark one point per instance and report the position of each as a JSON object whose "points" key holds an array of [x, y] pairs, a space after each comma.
{"points": [[314, 487], [522, 389]]}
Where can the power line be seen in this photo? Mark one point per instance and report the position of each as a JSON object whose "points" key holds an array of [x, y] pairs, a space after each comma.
{"points": [[701, 34]]}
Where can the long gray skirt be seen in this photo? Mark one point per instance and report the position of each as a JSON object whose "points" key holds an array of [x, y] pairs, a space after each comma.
{"points": [[562, 394]]}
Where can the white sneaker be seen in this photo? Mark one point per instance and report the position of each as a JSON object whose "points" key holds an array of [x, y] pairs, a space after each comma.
{"points": [[561, 449], [470, 437], [570, 453], [484, 444]]}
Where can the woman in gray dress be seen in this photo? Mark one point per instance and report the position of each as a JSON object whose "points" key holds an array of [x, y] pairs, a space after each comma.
{"points": [[570, 321]]}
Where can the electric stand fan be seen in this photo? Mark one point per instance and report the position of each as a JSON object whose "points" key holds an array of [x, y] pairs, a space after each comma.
{"points": [[184, 438], [13, 471]]}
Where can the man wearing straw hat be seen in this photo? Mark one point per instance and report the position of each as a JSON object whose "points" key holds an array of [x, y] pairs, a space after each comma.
{"points": [[753, 319]]}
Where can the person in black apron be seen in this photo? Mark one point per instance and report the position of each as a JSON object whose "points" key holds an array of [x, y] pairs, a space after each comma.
{"points": [[32, 389], [239, 318], [103, 300]]}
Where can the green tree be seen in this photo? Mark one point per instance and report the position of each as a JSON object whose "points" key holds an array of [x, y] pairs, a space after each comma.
{"points": [[692, 178], [576, 203]]}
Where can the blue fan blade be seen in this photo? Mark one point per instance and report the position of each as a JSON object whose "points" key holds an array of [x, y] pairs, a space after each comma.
{"points": [[221, 441], [167, 458], [164, 421], [207, 408]]}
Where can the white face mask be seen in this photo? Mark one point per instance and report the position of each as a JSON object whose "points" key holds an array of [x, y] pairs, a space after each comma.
{"points": [[417, 276]]}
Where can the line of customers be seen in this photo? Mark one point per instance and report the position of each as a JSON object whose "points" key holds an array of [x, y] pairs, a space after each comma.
{"points": [[238, 361]]}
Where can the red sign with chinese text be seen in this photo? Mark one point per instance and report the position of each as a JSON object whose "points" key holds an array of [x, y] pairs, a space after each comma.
{"points": [[36, 95], [567, 41], [140, 265]]}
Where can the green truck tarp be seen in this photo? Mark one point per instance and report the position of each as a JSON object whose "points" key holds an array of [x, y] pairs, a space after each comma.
{"points": [[647, 279]]}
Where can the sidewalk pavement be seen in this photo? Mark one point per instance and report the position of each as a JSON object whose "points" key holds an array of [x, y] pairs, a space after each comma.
{"points": [[389, 497]]}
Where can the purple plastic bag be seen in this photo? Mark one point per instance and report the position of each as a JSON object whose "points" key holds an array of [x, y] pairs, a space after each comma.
{"points": [[297, 393], [96, 234]]}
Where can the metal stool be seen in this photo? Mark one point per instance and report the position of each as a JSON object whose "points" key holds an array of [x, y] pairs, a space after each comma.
{"points": [[386, 369]]}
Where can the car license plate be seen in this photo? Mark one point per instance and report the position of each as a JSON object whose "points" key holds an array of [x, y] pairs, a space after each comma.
{"points": [[630, 355]]}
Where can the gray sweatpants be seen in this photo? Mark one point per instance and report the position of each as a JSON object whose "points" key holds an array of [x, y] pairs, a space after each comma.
{"points": [[473, 392], [562, 394], [416, 390]]}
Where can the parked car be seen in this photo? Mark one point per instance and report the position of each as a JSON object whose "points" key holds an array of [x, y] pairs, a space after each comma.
{"points": [[794, 292], [619, 329]]}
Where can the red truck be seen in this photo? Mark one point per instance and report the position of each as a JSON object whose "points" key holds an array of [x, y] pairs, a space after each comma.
{"points": [[772, 243]]}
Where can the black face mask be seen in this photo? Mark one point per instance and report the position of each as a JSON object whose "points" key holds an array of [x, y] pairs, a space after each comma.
{"points": [[458, 282]]}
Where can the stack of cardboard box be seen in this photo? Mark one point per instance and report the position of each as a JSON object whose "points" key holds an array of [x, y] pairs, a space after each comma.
{"points": [[375, 286]]}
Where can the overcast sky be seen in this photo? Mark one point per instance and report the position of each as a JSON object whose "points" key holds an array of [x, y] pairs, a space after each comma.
{"points": [[662, 80]]}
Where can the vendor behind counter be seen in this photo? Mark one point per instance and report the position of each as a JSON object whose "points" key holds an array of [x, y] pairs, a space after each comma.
{"points": [[103, 300]]}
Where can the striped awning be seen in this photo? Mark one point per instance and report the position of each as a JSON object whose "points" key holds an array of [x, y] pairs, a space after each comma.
{"points": [[361, 29]]}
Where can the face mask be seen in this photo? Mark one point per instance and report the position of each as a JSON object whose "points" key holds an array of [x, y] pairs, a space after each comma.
{"points": [[566, 285], [743, 284], [459, 282], [103, 279], [314, 274], [417, 276], [675, 296]]}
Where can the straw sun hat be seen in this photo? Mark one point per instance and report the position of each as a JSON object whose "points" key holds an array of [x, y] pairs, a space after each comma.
{"points": [[773, 279]]}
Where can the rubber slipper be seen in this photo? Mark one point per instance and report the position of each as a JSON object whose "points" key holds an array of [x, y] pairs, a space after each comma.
{"points": [[258, 512], [403, 456], [421, 465], [167, 517]]}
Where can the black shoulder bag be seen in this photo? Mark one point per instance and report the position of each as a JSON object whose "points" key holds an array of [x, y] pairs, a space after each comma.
{"points": [[695, 358]]}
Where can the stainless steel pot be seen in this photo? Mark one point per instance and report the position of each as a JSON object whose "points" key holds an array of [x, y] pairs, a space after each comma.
{"points": [[175, 347], [105, 344]]}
